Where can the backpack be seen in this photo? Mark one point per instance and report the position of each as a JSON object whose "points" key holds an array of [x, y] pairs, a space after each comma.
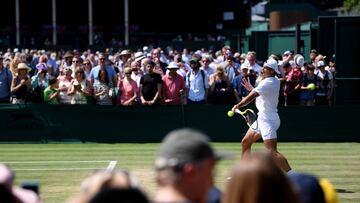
{"points": [[202, 75]]}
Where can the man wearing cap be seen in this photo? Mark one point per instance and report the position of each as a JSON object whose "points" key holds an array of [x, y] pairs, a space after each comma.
{"points": [[173, 86], [184, 167], [5, 82], [197, 83], [266, 95]]}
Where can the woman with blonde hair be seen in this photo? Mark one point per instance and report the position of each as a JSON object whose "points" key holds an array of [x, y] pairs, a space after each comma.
{"points": [[221, 91], [128, 89], [258, 179], [102, 180]]}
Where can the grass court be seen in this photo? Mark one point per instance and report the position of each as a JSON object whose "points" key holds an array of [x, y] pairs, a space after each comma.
{"points": [[60, 168]]}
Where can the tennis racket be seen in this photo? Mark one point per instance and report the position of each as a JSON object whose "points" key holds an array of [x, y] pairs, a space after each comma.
{"points": [[250, 117]]}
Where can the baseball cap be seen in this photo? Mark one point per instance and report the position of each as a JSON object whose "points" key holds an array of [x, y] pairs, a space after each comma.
{"points": [[287, 53], [271, 63], [320, 64], [186, 145], [172, 65], [308, 187]]}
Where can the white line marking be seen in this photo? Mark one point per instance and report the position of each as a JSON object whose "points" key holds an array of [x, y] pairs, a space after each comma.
{"points": [[55, 169], [40, 162], [111, 165]]}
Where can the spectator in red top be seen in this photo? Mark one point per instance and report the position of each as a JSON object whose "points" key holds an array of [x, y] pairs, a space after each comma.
{"points": [[292, 87], [173, 86]]}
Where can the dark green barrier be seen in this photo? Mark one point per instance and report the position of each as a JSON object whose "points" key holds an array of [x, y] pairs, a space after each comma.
{"points": [[23, 123]]}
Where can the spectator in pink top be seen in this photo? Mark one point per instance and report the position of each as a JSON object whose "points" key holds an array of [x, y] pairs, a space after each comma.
{"points": [[173, 86], [128, 89]]}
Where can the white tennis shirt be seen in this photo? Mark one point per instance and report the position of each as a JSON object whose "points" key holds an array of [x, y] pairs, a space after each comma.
{"points": [[267, 102]]}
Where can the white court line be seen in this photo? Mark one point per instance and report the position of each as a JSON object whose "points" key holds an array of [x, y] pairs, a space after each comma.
{"points": [[111, 165], [40, 162], [55, 169]]}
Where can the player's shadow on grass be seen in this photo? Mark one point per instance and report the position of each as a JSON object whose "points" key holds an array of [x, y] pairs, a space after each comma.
{"points": [[344, 191]]}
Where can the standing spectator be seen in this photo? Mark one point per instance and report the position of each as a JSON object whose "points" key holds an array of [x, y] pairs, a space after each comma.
{"points": [[102, 89], [87, 68], [39, 83], [197, 84], [292, 86], [66, 62], [21, 85], [173, 86], [128, 89], [240, 90], [5, 82], [205, 61], [313, 55], [307, 95], [325, 84], [184, 167], [123, 62], [53, 61], [79, 88], [231, 67], [109, 69], [160, 66], [51, 93], [221, 90], [64, 86], [251, 59], [257, 179], [150, 85]]}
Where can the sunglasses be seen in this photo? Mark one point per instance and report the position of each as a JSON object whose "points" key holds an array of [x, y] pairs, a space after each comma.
{"points": [[102, 59], [85, 64]]}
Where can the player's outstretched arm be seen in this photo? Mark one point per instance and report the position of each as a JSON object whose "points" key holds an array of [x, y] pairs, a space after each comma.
{"points": [[246, 100]]}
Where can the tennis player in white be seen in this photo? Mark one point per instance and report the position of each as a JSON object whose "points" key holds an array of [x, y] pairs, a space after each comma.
{"points": [[266, 94]]}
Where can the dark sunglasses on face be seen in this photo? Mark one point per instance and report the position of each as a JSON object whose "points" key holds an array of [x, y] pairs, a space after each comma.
{"points": [[102, 59]]}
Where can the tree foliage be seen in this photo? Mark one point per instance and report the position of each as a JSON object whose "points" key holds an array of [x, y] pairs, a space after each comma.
{"points": [[350, 4]]}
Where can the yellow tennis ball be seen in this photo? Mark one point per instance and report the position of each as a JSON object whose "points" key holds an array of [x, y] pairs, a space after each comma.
{"points": [[230, 113], [311, 86]]}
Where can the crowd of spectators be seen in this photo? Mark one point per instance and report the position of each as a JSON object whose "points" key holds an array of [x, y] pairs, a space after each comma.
{"points": [[152, 76], [184, 172]]}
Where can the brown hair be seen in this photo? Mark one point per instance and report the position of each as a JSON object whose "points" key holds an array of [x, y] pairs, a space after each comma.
{"points": [[257, 178]]}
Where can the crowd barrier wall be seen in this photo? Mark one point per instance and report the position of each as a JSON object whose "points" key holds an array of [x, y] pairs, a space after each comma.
{"points": [[87, 123]]}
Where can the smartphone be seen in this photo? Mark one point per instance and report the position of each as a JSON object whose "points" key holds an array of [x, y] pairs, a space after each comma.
{"points": [[33, 186]]}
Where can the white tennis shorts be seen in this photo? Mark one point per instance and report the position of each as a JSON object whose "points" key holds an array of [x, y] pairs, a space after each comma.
{"points": [[267, 127]]}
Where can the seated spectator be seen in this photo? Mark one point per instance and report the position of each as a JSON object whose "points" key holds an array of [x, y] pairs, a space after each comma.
{"points": [[257, 178], [184, 167], [307, 188], [123, 195], [101, 181], [9, 193]]}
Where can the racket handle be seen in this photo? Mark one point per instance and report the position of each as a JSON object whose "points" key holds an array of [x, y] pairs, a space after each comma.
{"points": [[238, 111]]}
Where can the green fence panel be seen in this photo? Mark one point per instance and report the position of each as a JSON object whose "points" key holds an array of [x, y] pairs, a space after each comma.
{"points": [[42, 123]]}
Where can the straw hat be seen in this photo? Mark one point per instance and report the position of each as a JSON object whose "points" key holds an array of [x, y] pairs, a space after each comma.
{"points": [[23, 66]]}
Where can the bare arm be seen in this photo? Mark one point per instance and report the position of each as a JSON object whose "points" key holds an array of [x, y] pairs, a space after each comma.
{"points": [[246, 100]]}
